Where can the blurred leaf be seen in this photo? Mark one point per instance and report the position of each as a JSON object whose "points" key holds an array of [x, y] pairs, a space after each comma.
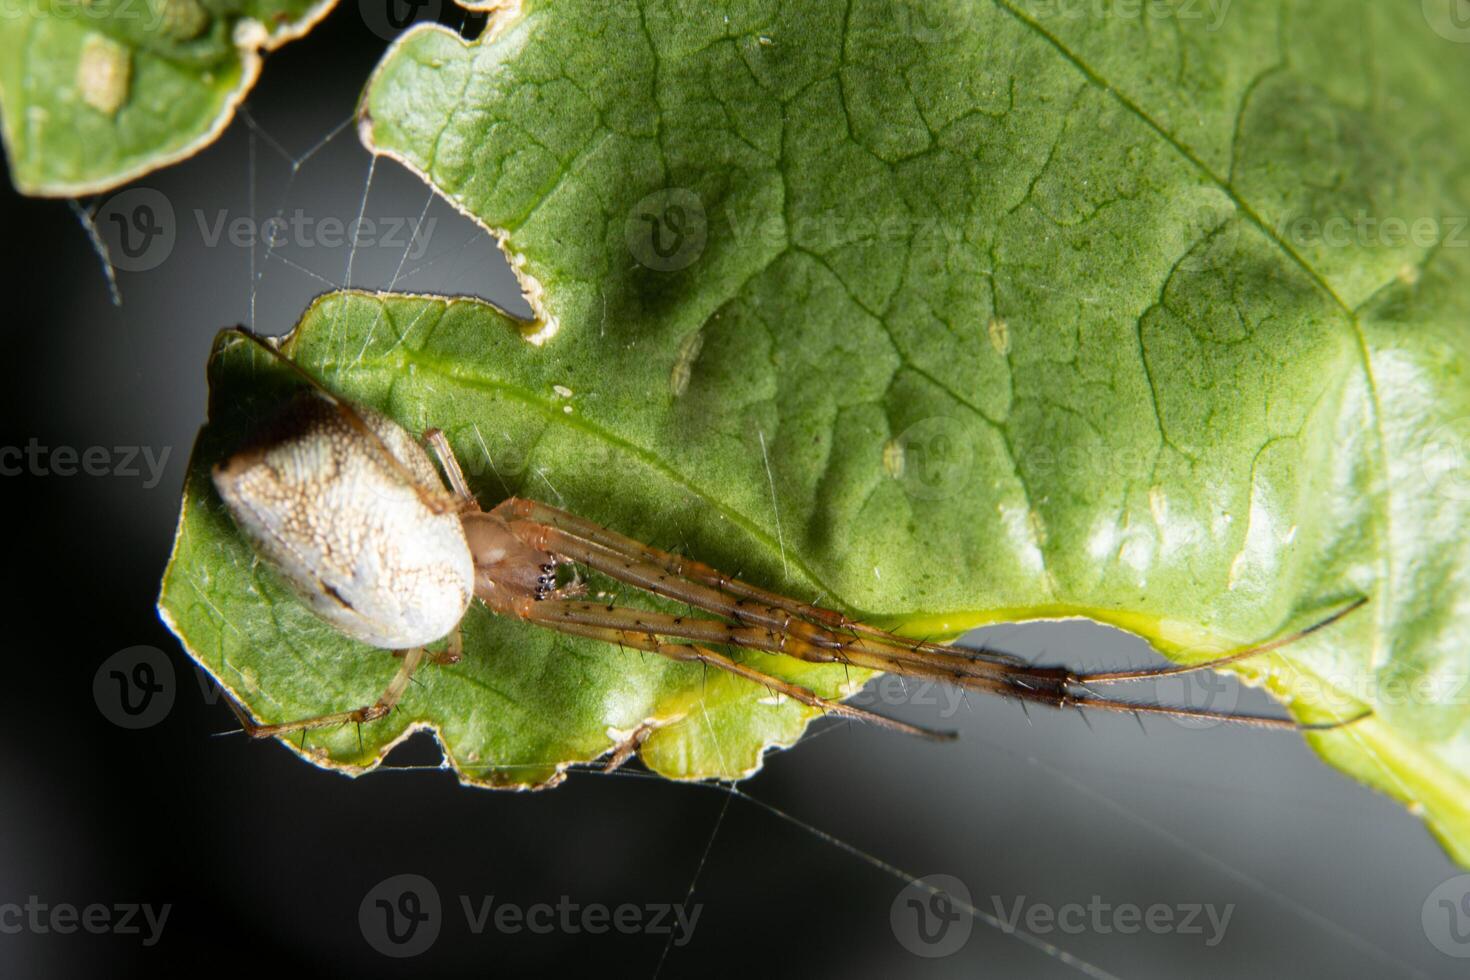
{"points": [[94, 93]]}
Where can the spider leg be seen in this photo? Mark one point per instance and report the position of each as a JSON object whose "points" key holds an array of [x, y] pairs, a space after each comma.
{"points": [[452, 653], [1096, 703], [520, 508], [390, 696], [877, 652], [648, 567], [1149, 673], [621, 631], [720, 633], [624, 750], [450, 464], [622, 624]]}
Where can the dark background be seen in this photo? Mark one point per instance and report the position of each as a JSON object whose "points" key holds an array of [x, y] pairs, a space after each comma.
{"points": [[265, 860]]}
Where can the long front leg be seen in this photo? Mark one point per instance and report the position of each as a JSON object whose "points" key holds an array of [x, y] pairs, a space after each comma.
{"points": [[610, 541], [771, 640], [642, 639], [602, 621], [647, 567], [864, 650]]}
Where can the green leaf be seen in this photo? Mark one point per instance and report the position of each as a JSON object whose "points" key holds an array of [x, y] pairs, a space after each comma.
{"points": [[950, 313], [524, 702], [94, 93]]}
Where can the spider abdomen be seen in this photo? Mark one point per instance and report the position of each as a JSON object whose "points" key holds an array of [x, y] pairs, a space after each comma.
{"points": [[351, 533]]}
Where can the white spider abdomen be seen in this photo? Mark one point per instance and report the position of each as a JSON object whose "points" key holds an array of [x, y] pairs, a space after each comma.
{"points": [[352, 533]]}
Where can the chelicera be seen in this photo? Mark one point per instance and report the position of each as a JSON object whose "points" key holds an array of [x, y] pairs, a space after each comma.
{"points": [[350, 508]]}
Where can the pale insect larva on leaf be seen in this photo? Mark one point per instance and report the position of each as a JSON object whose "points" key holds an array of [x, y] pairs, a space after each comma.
{"points": [[350, 509]]}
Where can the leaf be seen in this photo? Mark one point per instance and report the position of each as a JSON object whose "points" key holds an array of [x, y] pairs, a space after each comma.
{"points": [[1011, 313], [94, 93], [524, 702]]}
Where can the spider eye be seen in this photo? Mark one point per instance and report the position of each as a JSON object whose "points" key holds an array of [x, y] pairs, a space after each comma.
{"points": [[546, 581]]}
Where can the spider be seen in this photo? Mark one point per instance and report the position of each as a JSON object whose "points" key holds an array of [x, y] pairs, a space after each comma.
{"points": [[349, 507]]}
